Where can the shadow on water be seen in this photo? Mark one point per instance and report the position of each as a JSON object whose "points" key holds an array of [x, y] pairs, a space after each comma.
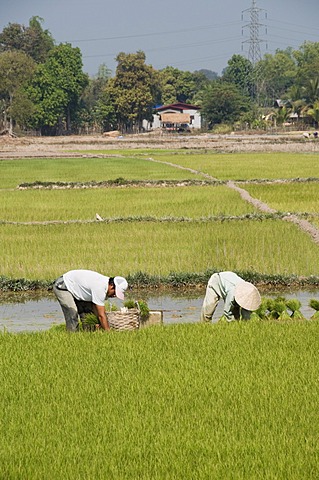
{"points": [[27, 312]]}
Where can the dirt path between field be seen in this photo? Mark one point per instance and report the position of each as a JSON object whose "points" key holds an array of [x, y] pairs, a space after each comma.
{"points": [[304, 225]]}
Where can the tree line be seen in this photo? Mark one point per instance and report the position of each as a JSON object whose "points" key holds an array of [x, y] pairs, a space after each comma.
{"points": [[43, 88]]}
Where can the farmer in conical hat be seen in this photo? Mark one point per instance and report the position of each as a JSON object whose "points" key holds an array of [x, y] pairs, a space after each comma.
{"points": [[84, 291], [240, 297]]}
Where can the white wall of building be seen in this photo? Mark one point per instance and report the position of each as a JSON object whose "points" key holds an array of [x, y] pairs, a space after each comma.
{"points": [[156, 123]]}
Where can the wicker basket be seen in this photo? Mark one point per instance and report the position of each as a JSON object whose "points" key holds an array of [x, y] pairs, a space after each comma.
{"points": [[129, 320]]}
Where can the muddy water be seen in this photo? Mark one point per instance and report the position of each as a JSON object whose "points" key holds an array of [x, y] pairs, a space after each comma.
{"points": [[32, 313]]}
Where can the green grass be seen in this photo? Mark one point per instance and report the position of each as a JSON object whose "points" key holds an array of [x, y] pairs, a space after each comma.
{"points": [[246, 166], [268, 246], [314, 220], [15, 172], [181, 403], [192, 202], [290, 197]]}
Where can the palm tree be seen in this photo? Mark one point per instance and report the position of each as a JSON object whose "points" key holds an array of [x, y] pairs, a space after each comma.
{"points": [[295, 93], [282, 115], [313, 112], [312, 90]]}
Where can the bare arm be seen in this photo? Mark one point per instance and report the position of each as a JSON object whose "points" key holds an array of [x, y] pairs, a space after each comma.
{"points": [[101, 315]]}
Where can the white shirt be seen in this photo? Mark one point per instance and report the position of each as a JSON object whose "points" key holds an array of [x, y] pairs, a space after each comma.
{"points": [[87, 285]]}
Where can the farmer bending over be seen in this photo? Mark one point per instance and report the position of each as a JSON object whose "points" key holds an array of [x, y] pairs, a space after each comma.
{"points": [[240, 297], [83, 291]]}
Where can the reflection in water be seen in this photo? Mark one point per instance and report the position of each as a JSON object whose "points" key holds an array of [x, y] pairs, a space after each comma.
{"points": [[20, 312]]}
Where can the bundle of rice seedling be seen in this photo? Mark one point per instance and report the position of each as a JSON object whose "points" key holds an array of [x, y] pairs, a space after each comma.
{"points": [[294, 305], [262, 311], [254, 317], [141, 305], [269, 305], [89, 322], [129, 303], [110, 307], [278, 309], [315, 305], [145, 311]]}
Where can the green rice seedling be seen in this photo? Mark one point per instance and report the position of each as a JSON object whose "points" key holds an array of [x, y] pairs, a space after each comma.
{"points": [[315, 305], [294, 306], [110, 307], [144, 309], [254, 417], [279, 309], [266, 246], [89, 322], [17, 171], [262, 311], [58, 328], [141, 304], [245, 166], [287, 197], [254, 317], [269, 306], [129, 303], [190, 202]]}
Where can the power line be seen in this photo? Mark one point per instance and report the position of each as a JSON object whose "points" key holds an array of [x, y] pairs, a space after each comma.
{"points": [[196, 28], [174, 47], [119, 37], [254, 39]]}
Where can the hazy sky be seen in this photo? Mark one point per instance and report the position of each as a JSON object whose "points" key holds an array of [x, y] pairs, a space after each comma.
{"points": [[186, 34]]}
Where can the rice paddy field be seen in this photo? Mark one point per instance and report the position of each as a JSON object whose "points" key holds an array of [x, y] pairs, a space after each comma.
{"points": [[181, 402], [289, 197], [155, 229], [156, 248], [184, 402]]}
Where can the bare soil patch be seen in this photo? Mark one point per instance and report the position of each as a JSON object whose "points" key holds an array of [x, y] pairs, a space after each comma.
{"points": [[72, 145]]}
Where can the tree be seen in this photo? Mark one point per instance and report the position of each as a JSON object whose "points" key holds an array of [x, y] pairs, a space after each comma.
{"points": [[223, 103], [56, 89], [180, 86], [282, 115], [311, 90], [132, 91], [16, 68], [104, 113], [209, 74], [274, 75], [96, 86], [96, 107], [313, 113], [32, 40], [307, 58], [240, 71]]}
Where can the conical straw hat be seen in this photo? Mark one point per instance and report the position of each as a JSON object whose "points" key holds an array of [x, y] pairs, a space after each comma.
{"points": [[247, 296]]}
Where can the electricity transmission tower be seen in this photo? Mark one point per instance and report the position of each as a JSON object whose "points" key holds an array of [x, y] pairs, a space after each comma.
{"points": [[254, 52]]}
